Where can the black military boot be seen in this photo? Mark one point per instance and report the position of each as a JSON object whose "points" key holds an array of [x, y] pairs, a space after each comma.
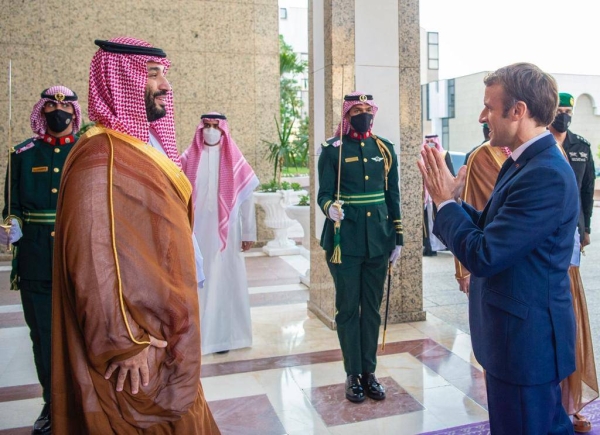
{"points": [[372, 387], [354, 391], [42, 425]]}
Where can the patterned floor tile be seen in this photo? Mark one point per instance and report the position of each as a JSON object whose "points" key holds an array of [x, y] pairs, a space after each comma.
{"points": [[252, 415], [334, 409]]}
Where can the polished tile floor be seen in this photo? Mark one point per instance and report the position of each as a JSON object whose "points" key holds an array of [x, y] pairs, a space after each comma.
{"points": [[291, 380]]}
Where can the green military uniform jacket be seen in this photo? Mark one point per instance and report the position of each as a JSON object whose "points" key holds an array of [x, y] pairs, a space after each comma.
{"points": [[372, 224], [35, 178]]}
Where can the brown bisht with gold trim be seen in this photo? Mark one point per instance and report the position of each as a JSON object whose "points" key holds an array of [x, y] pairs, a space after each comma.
{"points": [[124, 269], [482, 170]]}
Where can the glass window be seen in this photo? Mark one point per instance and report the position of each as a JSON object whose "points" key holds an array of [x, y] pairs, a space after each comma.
{"points": [[425, 100], [433, 54], [451, 98], [282, 13], [445, 133]]}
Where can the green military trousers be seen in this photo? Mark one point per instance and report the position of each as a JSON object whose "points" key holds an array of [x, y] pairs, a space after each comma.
{"points": [[359, 290], [36, 297]]}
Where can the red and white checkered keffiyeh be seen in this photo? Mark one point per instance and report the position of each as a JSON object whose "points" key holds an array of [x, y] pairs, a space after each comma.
{"points": [[38, 120], [116, 96], [235, 173], [347, 106]]}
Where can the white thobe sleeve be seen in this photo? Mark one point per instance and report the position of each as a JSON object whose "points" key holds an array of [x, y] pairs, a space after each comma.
{"points": [[199, 262], [248, 220]]}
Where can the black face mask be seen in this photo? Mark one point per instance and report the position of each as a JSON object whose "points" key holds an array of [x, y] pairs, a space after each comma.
{"points": [[362, 122], [58, 120], [561, 122]]}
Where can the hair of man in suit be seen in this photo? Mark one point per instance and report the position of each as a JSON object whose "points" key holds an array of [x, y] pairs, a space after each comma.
{"points": [[526, 82]]}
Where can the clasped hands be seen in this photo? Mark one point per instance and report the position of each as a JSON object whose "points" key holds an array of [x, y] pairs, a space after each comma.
{"points": [[438, 179], [136, 366]]}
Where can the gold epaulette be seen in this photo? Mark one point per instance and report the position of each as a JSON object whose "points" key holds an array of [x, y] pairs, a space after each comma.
{"points": [[387, 157]]}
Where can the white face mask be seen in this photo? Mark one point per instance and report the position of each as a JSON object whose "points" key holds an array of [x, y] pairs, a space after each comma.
{"points": [[211, 136]]}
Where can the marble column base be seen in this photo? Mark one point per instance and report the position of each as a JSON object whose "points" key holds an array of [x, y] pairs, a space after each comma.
{"points": [[322, 315]]}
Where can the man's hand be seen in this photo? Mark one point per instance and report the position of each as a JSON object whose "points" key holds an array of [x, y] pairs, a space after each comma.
{"points": [[246, 246], [440, 183], [136, 366], [586, 240], [463, 284]]}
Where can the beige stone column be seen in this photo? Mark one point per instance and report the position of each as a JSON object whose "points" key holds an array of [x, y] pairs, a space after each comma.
{"points": [[375, 48]]}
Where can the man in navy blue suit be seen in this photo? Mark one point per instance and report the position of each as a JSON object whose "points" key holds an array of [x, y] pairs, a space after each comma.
{"points": [[518, 250]]}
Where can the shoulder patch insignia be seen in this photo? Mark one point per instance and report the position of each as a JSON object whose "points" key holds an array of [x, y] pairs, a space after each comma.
{"points": [[582, 139], [325, 144], [24, 148]]}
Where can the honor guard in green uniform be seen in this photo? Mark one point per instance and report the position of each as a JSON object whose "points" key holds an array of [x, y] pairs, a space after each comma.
{"points": [[359, 194], [30, 197]]}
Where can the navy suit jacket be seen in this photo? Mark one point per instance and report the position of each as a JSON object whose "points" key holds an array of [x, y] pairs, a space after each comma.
{"points": [[518, 250]]}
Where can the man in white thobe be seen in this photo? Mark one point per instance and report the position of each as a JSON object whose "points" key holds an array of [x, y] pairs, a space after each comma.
{"points": [[225, 225]]}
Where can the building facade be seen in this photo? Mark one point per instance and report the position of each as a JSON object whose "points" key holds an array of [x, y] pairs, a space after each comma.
{"points": [[451, 109]]}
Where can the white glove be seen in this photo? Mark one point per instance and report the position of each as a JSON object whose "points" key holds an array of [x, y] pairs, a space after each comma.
{"points": [[11, 236], [335, 214], [395, 255]]}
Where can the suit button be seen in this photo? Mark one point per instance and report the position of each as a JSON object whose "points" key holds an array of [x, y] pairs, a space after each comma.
{"points": [[57, 150], [365, 160], [362, 144], [52, 233], [56, 170], [368, 213], [54, 190], [366, 177]]}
